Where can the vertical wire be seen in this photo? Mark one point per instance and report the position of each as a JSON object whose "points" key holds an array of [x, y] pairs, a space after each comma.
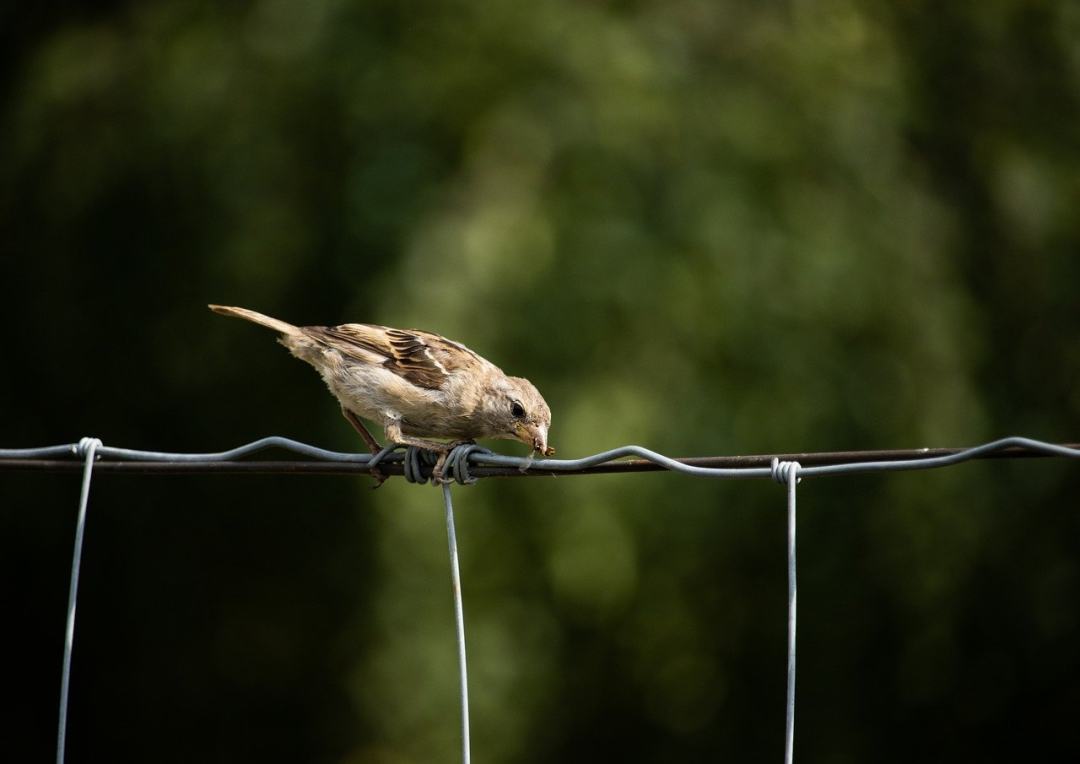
{"points": [[91, 445], [459, 616], [789, 732]]}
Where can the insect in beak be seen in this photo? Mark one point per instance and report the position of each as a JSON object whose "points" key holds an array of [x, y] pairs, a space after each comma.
{"points": [[535, 435]]}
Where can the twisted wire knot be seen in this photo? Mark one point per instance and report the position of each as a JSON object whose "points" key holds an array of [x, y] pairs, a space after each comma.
{"points": [[457, 462], [782, 471], [82, 448], [415, 459], [455, 467]]}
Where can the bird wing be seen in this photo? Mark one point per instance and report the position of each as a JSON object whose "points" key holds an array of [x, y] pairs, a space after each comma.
{"points": [[421, 358]]}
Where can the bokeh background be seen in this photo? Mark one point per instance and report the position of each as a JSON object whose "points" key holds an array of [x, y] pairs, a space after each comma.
{"points": [[704, 227]]}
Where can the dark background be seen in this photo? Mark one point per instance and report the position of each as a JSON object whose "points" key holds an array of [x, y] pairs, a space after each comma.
{"points": [[704, 227]]}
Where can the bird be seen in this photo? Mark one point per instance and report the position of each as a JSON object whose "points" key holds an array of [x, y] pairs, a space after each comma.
{"points": [[416, 384]]}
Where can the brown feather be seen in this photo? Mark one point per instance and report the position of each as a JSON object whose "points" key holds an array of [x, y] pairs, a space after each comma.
{"points": [[416, 384], [422, 358], [256, 318]]}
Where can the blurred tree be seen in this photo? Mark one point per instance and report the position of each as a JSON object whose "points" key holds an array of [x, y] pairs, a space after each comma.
{"points": [[704, 227]]}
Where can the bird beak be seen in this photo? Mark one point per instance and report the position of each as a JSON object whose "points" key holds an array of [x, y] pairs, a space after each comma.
{"points": [[535, 435]]}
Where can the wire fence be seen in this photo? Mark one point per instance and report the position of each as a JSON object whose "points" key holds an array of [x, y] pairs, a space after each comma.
{"points": [[323, 462], [466, 464]]}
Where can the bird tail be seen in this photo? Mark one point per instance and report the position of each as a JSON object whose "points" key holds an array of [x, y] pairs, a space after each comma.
{"points": [[256, 318]]}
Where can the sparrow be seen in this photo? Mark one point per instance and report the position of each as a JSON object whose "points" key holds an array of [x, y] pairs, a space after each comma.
{"points": [[417, 385]]}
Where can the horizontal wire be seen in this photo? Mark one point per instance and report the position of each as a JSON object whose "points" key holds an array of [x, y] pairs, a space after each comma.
{"points": [[65, 458]]}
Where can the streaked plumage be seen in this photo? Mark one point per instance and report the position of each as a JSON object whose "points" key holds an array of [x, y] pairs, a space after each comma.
{"points": [[415, 384]]}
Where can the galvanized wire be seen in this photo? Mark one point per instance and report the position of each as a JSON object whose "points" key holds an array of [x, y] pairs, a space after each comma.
{"points": [[322, 461], [467, 463], [87, 448], [459, 620], [787, 473]]}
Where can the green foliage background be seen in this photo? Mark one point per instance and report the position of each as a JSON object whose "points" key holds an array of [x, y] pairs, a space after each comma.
{"points": [[704, 227]]}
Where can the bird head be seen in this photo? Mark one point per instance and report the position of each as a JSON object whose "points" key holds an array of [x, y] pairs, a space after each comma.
{"points": [[522, 414]]}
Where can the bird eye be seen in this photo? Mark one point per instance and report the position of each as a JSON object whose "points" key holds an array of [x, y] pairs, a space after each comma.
{"points": [[517, 410]]}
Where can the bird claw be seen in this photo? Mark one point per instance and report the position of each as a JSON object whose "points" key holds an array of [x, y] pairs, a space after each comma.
{"points": [[379, 476], [438, 472]]}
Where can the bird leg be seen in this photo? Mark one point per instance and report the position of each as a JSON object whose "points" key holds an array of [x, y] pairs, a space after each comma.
{"points": [[369, 439], [442, 448]]}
